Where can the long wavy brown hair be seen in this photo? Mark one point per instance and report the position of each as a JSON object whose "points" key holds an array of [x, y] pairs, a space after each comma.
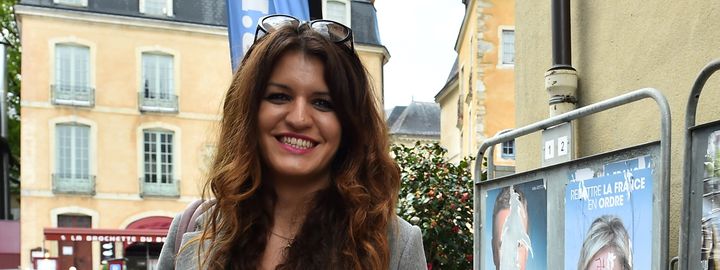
{"points": [[348, 224]]}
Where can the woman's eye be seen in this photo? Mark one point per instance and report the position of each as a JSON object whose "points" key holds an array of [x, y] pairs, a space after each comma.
{"points": [[323, 105], [278, 98]]}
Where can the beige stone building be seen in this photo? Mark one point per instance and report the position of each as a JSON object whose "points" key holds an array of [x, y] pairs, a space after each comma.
{"points": [[120, 100], [617, 47], [478, 99]]}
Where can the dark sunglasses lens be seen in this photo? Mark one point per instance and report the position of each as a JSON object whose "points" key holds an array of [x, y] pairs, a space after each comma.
{"points": [[333, 31], [276, 22]]}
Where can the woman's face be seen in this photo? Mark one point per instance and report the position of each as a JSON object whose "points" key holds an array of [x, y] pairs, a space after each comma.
{"points": [[299, 131]]}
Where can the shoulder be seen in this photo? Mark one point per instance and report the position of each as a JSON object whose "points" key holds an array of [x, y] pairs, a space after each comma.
{"points": [[185, 257], [406, 246]]}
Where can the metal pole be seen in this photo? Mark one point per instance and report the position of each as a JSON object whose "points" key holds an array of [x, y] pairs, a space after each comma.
{"points": [[561, 51], [665, 127], [692, 193], [4, 156]]}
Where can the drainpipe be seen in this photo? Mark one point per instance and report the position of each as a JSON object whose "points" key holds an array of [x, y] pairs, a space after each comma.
{"points": [[561, 78]]}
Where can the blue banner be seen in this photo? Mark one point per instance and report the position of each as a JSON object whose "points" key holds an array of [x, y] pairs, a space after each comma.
{"points": [[243, 16]]}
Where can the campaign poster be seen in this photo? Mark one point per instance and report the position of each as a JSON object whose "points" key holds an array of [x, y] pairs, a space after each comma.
{"points": [[516, 218], [710, 250], [608, 219]]}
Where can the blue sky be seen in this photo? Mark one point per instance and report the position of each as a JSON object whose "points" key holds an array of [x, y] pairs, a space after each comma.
{"points": [[420, 35]]}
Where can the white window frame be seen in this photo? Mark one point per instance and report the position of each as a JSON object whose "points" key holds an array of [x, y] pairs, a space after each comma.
{"points": [[505, 145], [175, 73], [92, 143], [176, 150], [171, 73], [168, 8], [501, 51], [348, 7], [83, 3], [159, 175], [73, 148], [75, 41]]}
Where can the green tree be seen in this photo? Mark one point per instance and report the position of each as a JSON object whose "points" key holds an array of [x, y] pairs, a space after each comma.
{"points": [[437, 195], [11, 37]]}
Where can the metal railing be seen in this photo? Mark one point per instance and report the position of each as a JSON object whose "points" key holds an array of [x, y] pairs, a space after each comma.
{"points": [[661, 199], [73, 184], [153, 102], [158, 189], [72, 95]]}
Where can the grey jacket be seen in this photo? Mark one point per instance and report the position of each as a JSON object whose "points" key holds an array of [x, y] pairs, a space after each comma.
{"points": [[406, 248]]}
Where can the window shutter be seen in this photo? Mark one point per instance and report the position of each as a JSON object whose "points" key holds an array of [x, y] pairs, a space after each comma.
{"points": [[336, 11], [81, 59], [169, 9], [62, 65]]}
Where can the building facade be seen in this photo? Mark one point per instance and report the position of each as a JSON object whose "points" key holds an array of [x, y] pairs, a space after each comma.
{"points": [[120, 103], [478, 99], [618, 47]]}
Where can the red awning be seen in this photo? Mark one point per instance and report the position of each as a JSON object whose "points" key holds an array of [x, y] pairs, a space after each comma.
{"points": [[154, 222], [106, 235]]}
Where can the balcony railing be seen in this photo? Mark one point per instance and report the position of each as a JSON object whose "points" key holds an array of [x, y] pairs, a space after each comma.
{"points": [[73, 184], [153, 102], [158, 189], [73, 95]]}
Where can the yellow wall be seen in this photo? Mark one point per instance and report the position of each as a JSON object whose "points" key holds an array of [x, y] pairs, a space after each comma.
{"points": [[202, 76], [490, 108], [449, 132], [617, 47], [374, 58]]}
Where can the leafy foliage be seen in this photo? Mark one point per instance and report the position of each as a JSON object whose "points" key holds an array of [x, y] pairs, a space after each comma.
{"points": [[436, 195], [11, 38]]}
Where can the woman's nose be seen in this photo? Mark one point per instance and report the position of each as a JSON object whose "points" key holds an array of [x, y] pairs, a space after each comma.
{"points": [[299, 115]]}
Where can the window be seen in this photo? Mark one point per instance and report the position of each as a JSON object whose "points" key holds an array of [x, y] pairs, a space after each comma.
{"points": [[158, 156], [158, 82], [81, 3], [337, 10], [73, 152], [156, 7], [508, 149], [507, 49], [74, 221], [72, 74]]}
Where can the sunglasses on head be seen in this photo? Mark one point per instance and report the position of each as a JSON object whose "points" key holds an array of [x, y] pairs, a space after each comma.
{"points": [[332, 30]]}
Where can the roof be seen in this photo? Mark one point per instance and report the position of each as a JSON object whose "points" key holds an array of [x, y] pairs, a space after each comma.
{"points": [[418, 119], [209, 12], [394, 114], [364, 22], [214, 12], [451, 78]]}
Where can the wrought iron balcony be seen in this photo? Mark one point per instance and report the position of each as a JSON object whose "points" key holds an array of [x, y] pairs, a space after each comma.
{"points": [[153, 102], [73, 95], [158, 189], [73, 184]]}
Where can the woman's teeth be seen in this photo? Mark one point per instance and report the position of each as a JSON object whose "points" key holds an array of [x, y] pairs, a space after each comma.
{"points": [[297, 143]]}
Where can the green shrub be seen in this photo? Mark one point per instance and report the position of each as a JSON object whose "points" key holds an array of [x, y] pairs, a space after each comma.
{"points": [[437, 196]]}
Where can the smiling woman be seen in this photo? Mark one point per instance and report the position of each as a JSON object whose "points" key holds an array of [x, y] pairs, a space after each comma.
{"points": [[302, 178]]}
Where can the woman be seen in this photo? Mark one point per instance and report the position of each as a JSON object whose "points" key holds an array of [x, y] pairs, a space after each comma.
{"points": [[302, 178], [606, 245]]}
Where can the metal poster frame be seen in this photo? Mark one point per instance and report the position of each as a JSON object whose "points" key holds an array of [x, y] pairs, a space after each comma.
{"points": [[661, 187], [693, 186]]}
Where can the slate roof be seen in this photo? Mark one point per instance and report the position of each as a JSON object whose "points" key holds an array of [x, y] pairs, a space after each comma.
{"points": [[207, 12], [214, 12], [364, 22], [417, 119]]}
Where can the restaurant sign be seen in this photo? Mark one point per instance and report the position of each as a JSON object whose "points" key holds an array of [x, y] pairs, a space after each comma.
{"points": [[106, 235]]}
